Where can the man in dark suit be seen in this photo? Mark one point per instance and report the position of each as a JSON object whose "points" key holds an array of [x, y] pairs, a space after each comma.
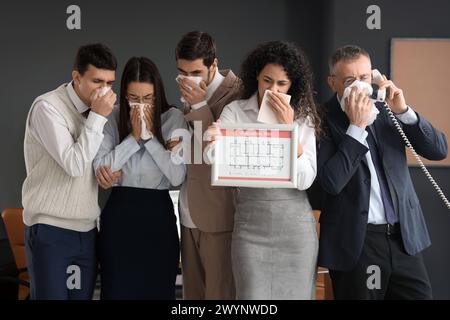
{"points": [[372, 226]]}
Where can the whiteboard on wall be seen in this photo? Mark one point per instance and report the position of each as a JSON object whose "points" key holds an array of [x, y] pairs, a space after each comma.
{"points": [[421, 68]]}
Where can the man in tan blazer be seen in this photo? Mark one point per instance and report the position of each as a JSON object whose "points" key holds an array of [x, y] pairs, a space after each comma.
{"points": [[206, 212]]}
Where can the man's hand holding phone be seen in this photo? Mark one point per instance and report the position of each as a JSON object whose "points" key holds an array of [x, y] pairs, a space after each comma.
{"points": [[394, 98]]}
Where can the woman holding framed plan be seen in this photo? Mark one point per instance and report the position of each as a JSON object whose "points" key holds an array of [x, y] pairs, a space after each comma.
{"points": [[274, 245]]}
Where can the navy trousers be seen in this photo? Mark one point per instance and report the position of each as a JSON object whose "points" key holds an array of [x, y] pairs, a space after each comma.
{"points": [[62, 263]]}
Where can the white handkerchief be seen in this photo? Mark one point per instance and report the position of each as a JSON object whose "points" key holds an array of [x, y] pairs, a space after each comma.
{"points": [[266, 114], [145, 133], [103, 91], [196, 79], [364, 87]]}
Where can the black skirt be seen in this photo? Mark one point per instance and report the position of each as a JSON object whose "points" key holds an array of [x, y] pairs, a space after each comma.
{"points": [[138, 245]]}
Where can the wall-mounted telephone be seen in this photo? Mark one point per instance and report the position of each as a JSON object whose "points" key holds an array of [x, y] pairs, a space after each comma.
{"points": [[380, 96]]}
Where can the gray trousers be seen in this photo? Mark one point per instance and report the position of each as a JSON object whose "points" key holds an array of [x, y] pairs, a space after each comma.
{"points": [[274, 245]]}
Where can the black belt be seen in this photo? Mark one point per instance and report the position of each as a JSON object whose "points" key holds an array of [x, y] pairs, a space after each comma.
{"points": [[384, 228]]}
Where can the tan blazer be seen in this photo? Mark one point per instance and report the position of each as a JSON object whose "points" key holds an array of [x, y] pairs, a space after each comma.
{"points": [[211, 208]]}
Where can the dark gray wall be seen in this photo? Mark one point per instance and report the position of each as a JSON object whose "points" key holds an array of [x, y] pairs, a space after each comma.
{"points": [[37, 52], [437, 257], [399, 18]]}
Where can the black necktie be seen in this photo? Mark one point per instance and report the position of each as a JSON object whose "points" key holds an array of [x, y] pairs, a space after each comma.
{"points": [[391, 217]]}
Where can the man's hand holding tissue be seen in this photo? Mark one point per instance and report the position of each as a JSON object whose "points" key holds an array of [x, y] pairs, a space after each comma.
{"points": [[358, 108], [103, 105], [191, 92]]}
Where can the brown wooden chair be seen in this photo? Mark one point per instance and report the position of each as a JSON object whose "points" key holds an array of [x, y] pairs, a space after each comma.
{"points": [[324, 290], [15, 229]]}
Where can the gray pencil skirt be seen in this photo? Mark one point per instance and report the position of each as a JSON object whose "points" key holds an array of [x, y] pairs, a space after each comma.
{"points": [[274, 245]]}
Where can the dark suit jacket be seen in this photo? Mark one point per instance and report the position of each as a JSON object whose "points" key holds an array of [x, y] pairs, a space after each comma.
{"points": [[345, 178]]}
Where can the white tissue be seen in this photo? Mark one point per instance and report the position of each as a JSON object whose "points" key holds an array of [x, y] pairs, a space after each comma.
{"points": [[195, 79], [364, 87], [103, 91], [145, 133], [266, 114]]}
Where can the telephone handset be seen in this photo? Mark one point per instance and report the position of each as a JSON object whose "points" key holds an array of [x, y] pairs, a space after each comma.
{"points": [[380, 96]]}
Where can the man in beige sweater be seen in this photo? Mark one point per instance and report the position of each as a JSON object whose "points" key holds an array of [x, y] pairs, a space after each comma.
{"points": [[206, 212], [63, 133]]}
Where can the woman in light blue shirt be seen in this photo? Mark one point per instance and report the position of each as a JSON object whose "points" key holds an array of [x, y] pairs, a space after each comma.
{"points": [[138, 240]]}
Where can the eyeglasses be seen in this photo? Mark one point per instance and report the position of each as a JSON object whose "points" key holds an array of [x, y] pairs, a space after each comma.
{"points": [[148, 99], [347, 81]]}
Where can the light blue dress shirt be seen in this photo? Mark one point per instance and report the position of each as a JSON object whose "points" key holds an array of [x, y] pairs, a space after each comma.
{"points": [[144, 164]]}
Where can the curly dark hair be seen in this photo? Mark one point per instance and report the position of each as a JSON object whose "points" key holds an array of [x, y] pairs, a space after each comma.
{"points": [[296, 65]]}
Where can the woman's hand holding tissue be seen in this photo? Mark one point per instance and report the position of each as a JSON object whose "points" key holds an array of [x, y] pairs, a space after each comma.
{"points": [[135, 119], [148, 117], [282, 109]]}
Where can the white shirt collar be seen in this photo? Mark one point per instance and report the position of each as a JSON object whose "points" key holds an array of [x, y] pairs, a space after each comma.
{"points": [[214, 85], [252, 103], [81, 107]]}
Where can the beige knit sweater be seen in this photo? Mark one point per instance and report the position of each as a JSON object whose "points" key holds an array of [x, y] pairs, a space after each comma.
{"points": [[49, 194]]}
